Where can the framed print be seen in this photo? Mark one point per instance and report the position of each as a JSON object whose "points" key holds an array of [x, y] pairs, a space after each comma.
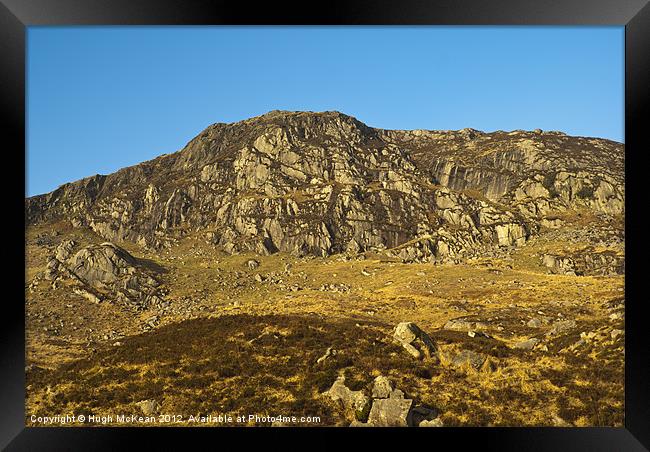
{"points": [[386, 220]]}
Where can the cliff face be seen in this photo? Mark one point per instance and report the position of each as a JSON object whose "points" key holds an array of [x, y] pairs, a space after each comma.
{"points": [[325, 183]]}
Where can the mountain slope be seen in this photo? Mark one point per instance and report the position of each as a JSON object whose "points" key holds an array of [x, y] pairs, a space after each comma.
{"points": [[325, 183]]}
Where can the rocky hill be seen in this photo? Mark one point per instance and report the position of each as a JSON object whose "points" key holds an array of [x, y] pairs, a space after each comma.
{"points": [[325, 183], [285, 264]]}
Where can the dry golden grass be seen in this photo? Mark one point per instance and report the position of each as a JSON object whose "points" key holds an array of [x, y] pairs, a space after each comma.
{"points": [[199, 360]]}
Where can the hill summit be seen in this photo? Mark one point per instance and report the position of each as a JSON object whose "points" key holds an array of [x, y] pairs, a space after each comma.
{"points": [[325, 183]]}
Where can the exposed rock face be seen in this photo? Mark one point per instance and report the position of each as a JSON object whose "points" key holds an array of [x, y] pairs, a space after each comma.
{"points": [[105, 271], [324, 183]]}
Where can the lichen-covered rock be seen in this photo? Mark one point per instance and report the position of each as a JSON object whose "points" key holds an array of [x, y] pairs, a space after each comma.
{"points": [[381, 388], [148, 407]]}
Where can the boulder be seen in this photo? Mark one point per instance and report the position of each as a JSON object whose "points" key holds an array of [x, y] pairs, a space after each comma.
{"points": [[469, 358], [437, 422], [106, 271], [390, 412], [101, 263], [561, 326], [423, 416], [464, 324], [382, 388], [415, 341], [534, 323], [527, 344], [352, 401]]}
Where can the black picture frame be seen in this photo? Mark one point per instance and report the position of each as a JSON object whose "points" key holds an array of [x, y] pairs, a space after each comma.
{"points": [[16, 15]]}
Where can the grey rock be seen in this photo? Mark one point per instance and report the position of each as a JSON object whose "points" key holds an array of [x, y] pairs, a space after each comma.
{"points": [[382, 388], [329, 352], [352, 400], [64, 250], [422, 414], [464, 324], [148, 407], [322, 183], [415, 341], [527, 344], [437, 422], [562, 326], [534, 323], [106, 271], [390, 412], [469, 358]]}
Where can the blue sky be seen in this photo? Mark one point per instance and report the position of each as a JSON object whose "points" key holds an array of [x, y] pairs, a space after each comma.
{"points": [[101, 98]]}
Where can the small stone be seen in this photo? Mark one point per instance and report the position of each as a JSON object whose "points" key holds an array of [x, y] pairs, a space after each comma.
{"points": [[562, 326], [414, 340], [148, 407], [329, 352], [252, 264], [382, 388], [528, 344], [437, 422], [534, 323]]}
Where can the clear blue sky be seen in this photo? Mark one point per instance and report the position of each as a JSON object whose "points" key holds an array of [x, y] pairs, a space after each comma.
{"points": [[101, 98]]}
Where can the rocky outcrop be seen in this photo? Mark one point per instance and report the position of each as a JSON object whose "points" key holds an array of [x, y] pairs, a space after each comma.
{"points": [[389, 408], [105, 271], [324, 183], [587, 262]]}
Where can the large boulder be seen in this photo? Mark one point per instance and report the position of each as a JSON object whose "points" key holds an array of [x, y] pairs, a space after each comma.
{"points": [[102, 263], [105, 271]]}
